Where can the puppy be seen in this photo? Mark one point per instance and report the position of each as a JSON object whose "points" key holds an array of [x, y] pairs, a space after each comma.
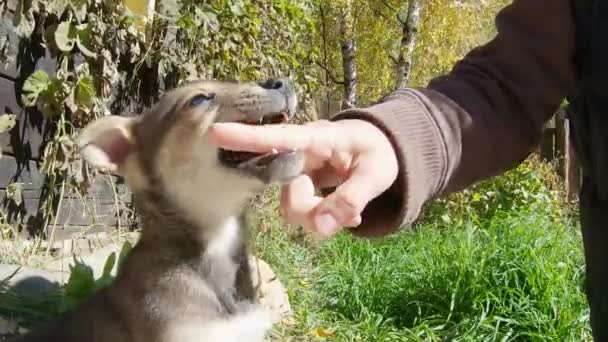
{"points": [[188, 277]]}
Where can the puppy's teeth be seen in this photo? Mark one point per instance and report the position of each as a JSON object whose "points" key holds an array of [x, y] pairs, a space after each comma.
{"points": [[274, 151]]}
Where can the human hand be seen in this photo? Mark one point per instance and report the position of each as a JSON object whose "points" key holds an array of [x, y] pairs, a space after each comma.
{"points": [[353, 155]]}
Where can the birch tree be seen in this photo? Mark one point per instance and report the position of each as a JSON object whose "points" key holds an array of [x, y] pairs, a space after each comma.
{"points": [[409, 31], [349, 50]]}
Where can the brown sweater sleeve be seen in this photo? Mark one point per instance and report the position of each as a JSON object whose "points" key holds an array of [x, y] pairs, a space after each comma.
{"points": [[481, 119]]}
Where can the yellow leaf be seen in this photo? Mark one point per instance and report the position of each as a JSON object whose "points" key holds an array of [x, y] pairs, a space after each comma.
{"points": [[322, 333], [304, 283]]}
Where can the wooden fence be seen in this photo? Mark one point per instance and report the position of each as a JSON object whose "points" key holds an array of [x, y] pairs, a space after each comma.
{"points": [[556, 147], [22, 148]]}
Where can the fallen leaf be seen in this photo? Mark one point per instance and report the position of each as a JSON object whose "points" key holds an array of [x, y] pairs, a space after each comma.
{"points": [[322, 333]]}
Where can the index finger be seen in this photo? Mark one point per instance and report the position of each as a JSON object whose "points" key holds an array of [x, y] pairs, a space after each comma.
{"points": [[242, 137]]}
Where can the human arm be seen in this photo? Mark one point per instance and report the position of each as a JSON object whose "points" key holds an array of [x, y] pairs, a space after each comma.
{"points": [[389, 159], [481, 119]]}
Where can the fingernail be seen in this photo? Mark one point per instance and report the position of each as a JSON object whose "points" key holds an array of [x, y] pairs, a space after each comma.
{"points": [[326, 224], [218, 125]]}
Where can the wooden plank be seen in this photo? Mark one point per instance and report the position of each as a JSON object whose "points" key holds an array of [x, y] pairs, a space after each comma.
{"points": [[74, 232], [6, 30], [11, 170], [101, 186], [547, 141], [25, 141], [76, 212], [560, 142], [36, 57], [99, 206], [573, 174], [72, 213], [94, 211]]}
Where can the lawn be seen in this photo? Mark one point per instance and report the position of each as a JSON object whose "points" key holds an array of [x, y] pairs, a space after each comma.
{"points": [[499, 262], [514, 275]]}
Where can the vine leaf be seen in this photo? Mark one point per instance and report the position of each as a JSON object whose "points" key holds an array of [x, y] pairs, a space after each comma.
{"points": [[57, 7], [65, 36], [79, 286], [14, 192], [7, 122], [35, 84], [207, 18], [79, 7], [24, 18], [84, 36], [84, 93]]}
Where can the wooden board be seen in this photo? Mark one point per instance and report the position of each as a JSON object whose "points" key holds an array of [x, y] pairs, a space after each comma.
{"points": [[102, 208]]}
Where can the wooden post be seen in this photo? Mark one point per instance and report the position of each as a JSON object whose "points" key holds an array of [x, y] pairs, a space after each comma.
{"points": [[560, 142], [573, 174], [546, 145]]}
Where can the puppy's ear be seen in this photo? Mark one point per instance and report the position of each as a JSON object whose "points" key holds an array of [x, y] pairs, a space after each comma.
{"points": [[106, 143]]}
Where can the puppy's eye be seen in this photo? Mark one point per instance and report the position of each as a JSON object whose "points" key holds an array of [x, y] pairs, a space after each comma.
{"points": [[201, 99]]}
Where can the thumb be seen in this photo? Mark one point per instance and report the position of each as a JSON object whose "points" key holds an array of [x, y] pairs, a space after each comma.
{"points": [[344, 206]]}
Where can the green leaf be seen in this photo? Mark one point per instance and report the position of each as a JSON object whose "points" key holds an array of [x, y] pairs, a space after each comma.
{"points": [[84, 93], [109, 265], [54, 97], [84, 40], [24, 18], [7, 122], [14, 192], [65, 36], [81, 282], [125, 250], [57, 7], [36, 83], [79, 7], [476, 197]]}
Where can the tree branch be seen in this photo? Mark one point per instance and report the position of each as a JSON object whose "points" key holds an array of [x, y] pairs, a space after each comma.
{"points": [[395, 60], [387, 5], [329, 73], [380, 14]]}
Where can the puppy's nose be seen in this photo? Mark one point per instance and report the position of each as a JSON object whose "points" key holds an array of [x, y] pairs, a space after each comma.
{"points": [[272, 84]]}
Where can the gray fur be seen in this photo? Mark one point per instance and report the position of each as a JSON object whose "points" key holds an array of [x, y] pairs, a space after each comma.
{"points": [[174, 285]]}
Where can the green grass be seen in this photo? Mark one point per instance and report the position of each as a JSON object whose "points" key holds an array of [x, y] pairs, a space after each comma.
{"points": [[501, 261], [516, 277]]}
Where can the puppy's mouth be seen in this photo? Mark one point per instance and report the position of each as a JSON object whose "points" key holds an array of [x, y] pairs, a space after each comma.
{"points": [[236, 158], [273, 166]]}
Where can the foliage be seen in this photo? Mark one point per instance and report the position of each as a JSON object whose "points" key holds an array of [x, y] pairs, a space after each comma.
{"points": [[448, 30], [108, 62], [82, 283], [532, 183], [33, 308]]}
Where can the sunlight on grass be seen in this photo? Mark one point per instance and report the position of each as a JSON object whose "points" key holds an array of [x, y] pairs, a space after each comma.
{"points": [[506, 268], [517, 276]]}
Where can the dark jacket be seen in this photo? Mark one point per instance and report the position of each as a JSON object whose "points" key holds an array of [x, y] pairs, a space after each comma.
{"points": [[482, 118]]}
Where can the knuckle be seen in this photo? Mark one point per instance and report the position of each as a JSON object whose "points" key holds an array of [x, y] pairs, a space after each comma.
{"points": [[347, 206]]}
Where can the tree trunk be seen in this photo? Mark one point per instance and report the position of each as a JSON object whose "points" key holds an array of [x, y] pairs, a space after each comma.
{"points": [[409, 30], [349, 65]]}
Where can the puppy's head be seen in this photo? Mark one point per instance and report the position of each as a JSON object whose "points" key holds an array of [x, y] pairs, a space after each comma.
{"points": [[166, 151]]}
